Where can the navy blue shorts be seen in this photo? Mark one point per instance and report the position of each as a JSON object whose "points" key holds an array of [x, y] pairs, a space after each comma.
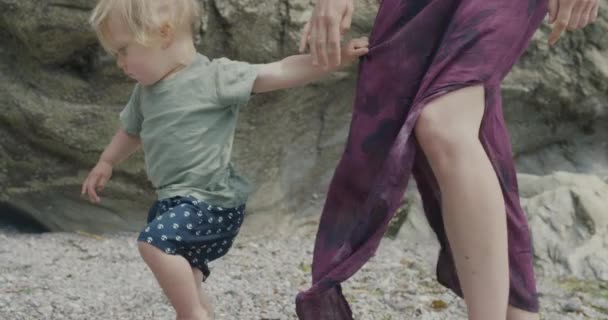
{"points": [[192, 229]]}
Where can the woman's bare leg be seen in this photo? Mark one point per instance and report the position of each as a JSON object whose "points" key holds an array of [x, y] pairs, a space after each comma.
{"points": [[471, 198], [518, 314]]}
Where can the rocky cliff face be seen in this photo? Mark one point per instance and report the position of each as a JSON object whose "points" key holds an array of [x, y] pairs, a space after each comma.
{"points": [[60, 96]]}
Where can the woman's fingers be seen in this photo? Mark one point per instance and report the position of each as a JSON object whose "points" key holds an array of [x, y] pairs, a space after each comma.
{"points": [[595, 11], [553, 6], [564, 12], [305, 37], [576, 14]]}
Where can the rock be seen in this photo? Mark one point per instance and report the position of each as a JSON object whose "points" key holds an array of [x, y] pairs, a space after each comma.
{"points": [[45, 310], [126, 289], [60, 96], [568, 219], [556, 103], [573, 305], [569, 223], [40, 28], [52, 126]]}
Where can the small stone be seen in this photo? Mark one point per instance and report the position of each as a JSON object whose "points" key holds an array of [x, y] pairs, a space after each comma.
{"points": [[399, 304], [573, 305], [439, 305], [46, 310]]}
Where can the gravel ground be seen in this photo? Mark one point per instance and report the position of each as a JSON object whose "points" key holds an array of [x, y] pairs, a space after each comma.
{"points": [[77, 276]]}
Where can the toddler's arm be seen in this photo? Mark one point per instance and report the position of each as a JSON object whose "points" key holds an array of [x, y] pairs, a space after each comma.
{"points": [[120, 148], [299, 70]]}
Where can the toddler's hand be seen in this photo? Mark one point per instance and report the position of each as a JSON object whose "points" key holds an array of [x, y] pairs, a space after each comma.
{"points": [[354, 49], [96, 181]]}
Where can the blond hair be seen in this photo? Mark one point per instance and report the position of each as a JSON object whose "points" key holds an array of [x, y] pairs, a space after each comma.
{"points": [[144, 18]]}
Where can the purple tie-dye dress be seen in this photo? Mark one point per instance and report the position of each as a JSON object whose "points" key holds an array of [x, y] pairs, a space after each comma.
{"points": [[420, 49]]}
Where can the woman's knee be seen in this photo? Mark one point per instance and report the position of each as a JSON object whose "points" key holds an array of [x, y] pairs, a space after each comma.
{"points": [[441, 140], [448, 127]]}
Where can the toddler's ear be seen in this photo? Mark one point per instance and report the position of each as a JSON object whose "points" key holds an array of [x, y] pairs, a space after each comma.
{"points": [[167, 34]]}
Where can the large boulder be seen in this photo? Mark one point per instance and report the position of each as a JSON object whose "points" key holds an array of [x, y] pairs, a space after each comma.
{"points": [[568, 217]]}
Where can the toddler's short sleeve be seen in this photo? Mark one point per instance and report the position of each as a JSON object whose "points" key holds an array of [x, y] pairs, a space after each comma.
{"points": [[234, 81], [131, 117]]}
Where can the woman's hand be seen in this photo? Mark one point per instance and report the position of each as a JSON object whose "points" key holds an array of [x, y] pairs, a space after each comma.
{"points": [[570, 15], [330, 19]]}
